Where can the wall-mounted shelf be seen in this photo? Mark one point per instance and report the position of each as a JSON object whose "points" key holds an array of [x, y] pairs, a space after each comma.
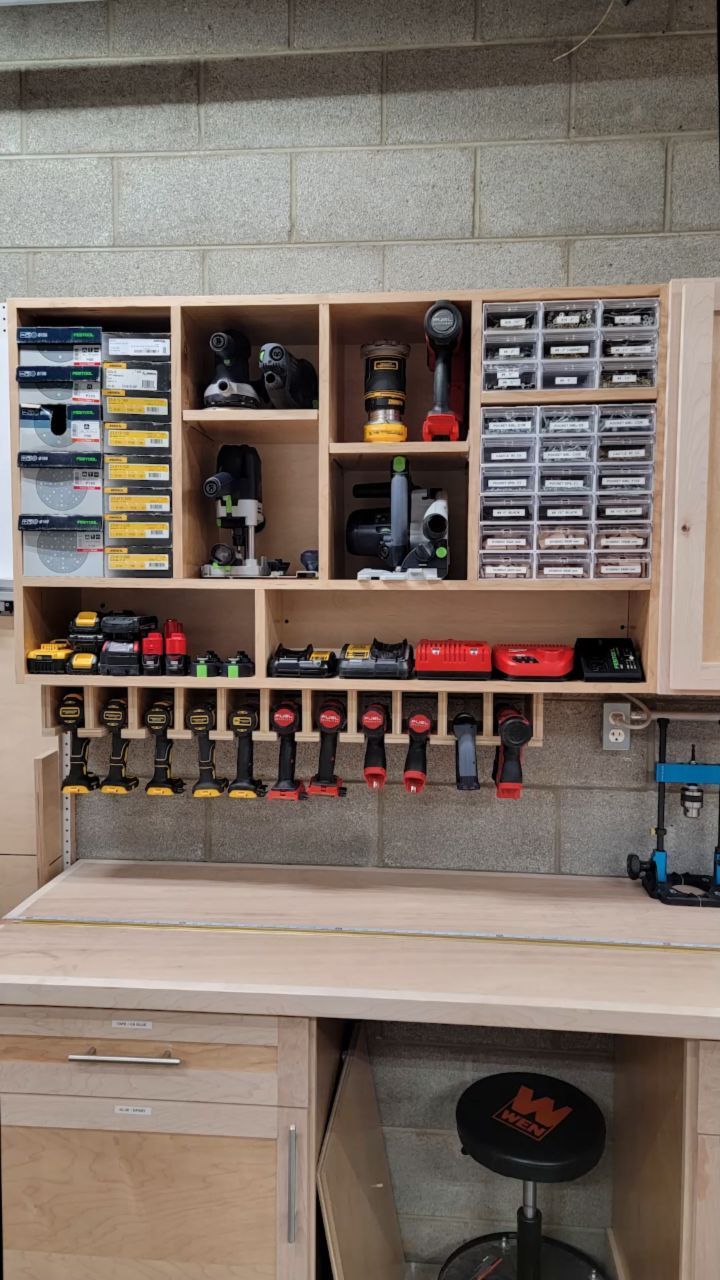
{"points": [[311, 460]]}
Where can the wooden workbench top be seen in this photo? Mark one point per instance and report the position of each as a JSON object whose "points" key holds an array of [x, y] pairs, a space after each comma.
{"points": [[573, 953]]}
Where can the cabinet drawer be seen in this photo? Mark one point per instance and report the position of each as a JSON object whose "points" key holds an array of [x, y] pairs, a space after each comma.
{"points": [[709, 1087]]}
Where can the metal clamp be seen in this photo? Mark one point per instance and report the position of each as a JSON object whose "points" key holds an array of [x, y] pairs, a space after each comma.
{"points": [[92, 1055], [292, 1182]]}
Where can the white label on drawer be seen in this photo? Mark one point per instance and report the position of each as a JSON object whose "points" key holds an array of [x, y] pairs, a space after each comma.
{"points": [[509, 380], [83, 479], [516, 455], [563, 571], [512, 322], [624, 377], [566, 381], [631, 349], [518, 428], [577, 482], [622, 482], [623, 511], [561, 513], [622, 424], [504, 544], [506, 513], [509, 483], [506, 571], [626, 453], [131, 1024], [131, 379], [565, 455], [630, 318], [564, 425], [567, 318], [564, 540], [126, 1110], [574, 349], [509, 351], [632, 568], [629, 540]]}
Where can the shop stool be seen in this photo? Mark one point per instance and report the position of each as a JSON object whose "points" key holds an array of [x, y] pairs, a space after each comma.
{"points": [[536, 1129]]}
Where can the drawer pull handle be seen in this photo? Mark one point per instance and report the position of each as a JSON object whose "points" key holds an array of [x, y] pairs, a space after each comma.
{"points": [[92, 1055], [292, 1182]]}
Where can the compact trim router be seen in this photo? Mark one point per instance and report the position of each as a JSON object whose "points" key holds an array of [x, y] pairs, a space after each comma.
{"points": [[667, 886]]}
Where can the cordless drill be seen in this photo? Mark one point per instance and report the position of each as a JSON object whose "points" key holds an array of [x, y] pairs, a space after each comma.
{"points": [[331, 721], [443, 336], [114, 716], [200, 721], [415, 771], [158, 719], [71, 714], [285, 720], [374, 722], [465, 728], [514, 731], [244, 721]]}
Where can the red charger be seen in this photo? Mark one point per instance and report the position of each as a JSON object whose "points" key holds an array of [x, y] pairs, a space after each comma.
{"points": [[456, 659], [534, 661]]}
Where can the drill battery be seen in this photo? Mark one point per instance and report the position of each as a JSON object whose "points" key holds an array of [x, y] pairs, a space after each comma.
{"points": [[51, 658], [120, 658], [453, 659], [317, 663], [85, 632], [376, 661], [151, 654], [177, 659], [127, 625], [206, 665], [237, 667]]}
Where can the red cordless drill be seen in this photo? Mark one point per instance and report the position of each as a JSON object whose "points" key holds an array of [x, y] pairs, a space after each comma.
{"points": [[331, 721], [514, 731], [415, 772], [443, 335], [374, 722], [285, 720]]}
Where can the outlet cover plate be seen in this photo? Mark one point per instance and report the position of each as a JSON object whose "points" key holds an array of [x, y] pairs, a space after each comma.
{"points": [[615, 737]]}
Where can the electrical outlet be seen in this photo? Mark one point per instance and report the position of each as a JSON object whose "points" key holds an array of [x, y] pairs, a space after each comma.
{"points": [[616, 737]]}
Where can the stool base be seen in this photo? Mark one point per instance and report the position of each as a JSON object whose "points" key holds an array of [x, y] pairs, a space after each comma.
{"points": [[495, 1257]]}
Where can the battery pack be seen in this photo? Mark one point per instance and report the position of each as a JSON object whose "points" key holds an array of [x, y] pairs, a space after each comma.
{"points": [[376, 661], [316, 663], [453, 659]]}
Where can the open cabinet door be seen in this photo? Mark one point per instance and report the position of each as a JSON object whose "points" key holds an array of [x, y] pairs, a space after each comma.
{"points": [[690, 592], [356, 1197]]}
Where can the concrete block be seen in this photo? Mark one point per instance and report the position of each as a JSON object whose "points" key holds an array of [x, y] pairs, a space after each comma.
{"points": [[692, 14], [566, 18], [695, 198], [327, 268], [489, 264], [418, 1087], [326, 101], [55, 202], [203, 199], [184, 26], [572, 754], [373, 23], [671, 88], [106, 108], [46, 32], [431, 1240], [644, 259], [314, 831], [454, 95], [118, 272], [432, 1178], [505, 1041], [387, 194], [598, 829], [473, 831], [137, 827], [13, 275], [571, 188], [9, 111]]}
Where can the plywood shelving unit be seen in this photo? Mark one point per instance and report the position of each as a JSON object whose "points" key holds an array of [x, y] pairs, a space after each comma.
{"points": [[310, 460]]}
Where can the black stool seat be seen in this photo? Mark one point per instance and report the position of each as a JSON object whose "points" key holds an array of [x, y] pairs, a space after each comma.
{"points": [[531, 1127]]}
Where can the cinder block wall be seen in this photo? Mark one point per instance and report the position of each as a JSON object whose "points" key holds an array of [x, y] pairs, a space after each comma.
{"points": [[254, 145]]}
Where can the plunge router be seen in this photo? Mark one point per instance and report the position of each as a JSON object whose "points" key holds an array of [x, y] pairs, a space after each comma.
{"points": [[236, 488], [231, 387], [385, 364]]}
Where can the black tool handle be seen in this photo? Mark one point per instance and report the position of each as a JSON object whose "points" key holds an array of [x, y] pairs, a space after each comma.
{"points": [[441, 380], [163, 757], [118, 756], [206, 759], [245, 760], [415, 771], [328, 755], [465, 728], [286, 761], [79, 748], [375, 754]]}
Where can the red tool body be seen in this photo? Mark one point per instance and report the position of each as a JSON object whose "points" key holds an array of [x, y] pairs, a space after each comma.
{"points": [[285, 720], [415, 771], [331, 721], [453, 659], [514, 731], [374, 721], [534, 661], [446, 359], [177, 658]]}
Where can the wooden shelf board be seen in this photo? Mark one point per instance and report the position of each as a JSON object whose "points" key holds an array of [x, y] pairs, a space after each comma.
{"points": [[258, 426], [440, 453], [428, 688], [338, 584], [596, 395]]}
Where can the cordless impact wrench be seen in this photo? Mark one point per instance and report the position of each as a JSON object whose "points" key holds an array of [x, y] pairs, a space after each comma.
{"points": [[200, 721], [415, 771], [114, 716], [285, 720], [71, 714], [331, 722], [158, 719], [244, 721], [374, 721], [514, 731]]}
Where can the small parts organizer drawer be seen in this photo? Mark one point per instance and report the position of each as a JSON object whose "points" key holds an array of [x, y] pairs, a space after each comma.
{"points": [[171, 1057]]}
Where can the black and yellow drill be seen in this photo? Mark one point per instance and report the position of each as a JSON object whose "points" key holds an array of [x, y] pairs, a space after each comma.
{"points": [[243, 722], [71, 714], [159, 718], [201, 720], [118, 782]]}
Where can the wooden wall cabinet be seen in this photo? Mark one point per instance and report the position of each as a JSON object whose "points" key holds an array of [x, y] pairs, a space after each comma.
{"points": [[160, 1145], [689, 656]]}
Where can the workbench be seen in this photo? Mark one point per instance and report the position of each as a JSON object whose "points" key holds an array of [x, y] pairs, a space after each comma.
{"points": [[245, 973]]}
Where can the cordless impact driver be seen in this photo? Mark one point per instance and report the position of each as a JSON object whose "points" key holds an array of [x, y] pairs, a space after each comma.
{"points": [[78, 781], [114, 716]]}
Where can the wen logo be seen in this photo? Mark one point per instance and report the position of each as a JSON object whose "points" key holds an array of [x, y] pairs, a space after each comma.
{"points": [[535, 1117]]}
